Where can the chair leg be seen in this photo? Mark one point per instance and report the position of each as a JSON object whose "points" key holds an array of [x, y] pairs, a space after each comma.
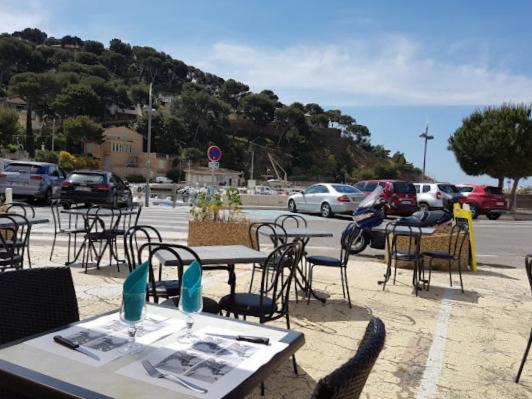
{"points": [[262, 389], [294, 363], [309, 281], [450, 275], [460, 274], [53, 246], [252, 276], [342, 277], [430, 274], [347, 288], [524, 358]]}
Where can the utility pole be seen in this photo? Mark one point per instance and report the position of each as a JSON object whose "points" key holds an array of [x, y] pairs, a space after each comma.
{"points": [[53, 134], [252, 164], [425, 135], [148, 162]]}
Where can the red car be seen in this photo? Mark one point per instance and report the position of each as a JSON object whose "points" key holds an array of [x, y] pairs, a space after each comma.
{"points": [[400, 195], [484, 200]]}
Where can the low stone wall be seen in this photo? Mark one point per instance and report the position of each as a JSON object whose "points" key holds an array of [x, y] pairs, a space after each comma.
{"points": [[264, 200]]}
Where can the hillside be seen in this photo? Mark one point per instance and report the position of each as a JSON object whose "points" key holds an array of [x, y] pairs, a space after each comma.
{"points": [[69, 77]]}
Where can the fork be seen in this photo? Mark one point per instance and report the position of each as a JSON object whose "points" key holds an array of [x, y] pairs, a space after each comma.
{"points": [[153, 372]]}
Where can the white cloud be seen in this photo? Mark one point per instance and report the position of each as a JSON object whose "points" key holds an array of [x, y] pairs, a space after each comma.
{"points": [[17, 15], [391, 70]]}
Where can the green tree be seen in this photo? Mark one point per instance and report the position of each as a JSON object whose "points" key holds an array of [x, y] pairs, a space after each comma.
{"points": [[259, 108], [31, 34], [81, 129], [9, 125], [92, 46], [78, 99], [496, 141], [15, 56], [232, 91]]}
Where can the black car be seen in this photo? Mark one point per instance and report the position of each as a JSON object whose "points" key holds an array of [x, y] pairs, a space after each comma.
{"points": [[95, 187]]}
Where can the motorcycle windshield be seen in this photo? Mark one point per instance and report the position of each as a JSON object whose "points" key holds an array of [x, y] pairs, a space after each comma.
{"points": [[372, 198]]}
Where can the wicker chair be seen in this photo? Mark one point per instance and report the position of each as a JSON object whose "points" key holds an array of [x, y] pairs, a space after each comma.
{"points": [[347, 381], [52, 304]]}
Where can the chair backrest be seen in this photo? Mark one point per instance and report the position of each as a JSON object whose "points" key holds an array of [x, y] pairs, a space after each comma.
{"points": [[458, 236], [21, 208], [347, 381], [22, 229], [136, 236], [8, 241], [132, 217], [285, 220], [56, 207], [277, 278], [349, 235], [35, 301], [410, 234], [174, 249], [274, 231]]}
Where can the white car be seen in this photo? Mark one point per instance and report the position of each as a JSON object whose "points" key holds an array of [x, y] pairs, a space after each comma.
{"points": [[163, 180], [326, 199]]}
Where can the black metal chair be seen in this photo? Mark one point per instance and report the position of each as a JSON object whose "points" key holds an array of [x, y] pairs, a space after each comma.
{"points": [[346, 241], [257, 231], [133, 237], [169, 289], [101, 225], [458, 236], [129, 219], [71, 229], [348, 381], [271, 303], [52, 304], [9, 249], [402, 244], [298, 220], [528, 266], [28, 212]]}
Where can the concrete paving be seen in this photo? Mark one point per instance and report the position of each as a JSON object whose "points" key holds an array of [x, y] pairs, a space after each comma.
{"points": [[442, 344]]}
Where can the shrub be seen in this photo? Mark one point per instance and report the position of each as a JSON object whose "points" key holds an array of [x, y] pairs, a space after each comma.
{"points": [[136, 178], [70, 162], [46, 156], [174, 174]]}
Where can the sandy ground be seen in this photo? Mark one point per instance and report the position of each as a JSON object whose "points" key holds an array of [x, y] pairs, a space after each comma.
{"points": [[442, 344]]}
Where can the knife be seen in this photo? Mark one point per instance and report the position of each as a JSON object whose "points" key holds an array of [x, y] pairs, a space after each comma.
{"points": [[247, 338], [72, 345]]}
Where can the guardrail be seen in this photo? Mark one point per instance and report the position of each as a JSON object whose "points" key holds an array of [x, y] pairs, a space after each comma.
{"points": [[157, 189]]}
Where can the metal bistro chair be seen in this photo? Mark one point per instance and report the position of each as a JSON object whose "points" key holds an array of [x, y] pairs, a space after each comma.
{"points": [[9, 252], [28, 211], [129, 219], [52, 304], [528, 266], [348, 381], [60, 229], [275, 232], [298, 220], [411, 235], [101, 225], [350, 233], [133, 238], [271, 302], [459, 235], [170, 289]]}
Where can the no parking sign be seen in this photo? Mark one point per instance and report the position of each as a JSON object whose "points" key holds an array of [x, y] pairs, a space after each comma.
{"points": [[214, 153]]}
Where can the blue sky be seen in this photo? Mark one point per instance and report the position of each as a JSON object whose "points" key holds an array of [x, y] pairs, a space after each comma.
{"points": [[393, 65]]}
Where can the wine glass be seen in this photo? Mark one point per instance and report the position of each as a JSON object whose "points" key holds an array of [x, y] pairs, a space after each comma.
{"points": [[188, 306], [132, 312]]}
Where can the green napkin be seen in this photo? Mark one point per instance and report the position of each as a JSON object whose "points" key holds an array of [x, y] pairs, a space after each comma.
{"points": [[191, 300], [134, 292]]}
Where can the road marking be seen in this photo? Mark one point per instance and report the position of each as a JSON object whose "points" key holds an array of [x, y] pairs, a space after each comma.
{"points": [[429, 382]]}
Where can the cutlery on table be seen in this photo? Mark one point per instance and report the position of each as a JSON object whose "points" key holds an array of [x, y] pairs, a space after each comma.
{"points": [[72, 345], [153, 372], [247, 338]]}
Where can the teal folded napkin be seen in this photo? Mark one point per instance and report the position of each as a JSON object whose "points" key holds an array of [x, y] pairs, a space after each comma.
{"points": [[134, 292], [191, 300]]}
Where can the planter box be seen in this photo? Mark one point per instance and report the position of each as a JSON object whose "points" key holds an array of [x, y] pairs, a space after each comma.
{"points": [[218, 233], [436, 242]]}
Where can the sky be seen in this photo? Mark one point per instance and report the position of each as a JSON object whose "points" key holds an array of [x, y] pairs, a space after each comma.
{"points": [[393, 65]]}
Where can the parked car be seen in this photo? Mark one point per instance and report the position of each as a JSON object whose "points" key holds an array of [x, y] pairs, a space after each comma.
{"points": [[431, 195], [326, 199], [163, 180], [400, 195], [264, 190], [484, 200], [95, 187], [34, 180]]}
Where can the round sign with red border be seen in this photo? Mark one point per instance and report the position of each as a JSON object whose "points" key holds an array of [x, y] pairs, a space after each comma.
{"points": [[214, 153]]}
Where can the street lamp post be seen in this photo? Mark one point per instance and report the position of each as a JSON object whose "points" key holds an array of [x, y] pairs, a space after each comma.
{"points": [[425, 135], [148, 161]]}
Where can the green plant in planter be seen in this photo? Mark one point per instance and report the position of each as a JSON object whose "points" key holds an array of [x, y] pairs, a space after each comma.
{"points": [[216, 207]]}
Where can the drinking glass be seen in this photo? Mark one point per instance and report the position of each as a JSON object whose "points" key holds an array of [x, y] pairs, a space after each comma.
{"points": [[132, 312], [188, 309]]}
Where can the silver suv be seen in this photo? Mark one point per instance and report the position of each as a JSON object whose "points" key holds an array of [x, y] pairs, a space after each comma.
{"points": [[431, 195]]}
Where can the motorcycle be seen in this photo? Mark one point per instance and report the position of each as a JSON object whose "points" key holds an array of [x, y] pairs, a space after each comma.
{"points": [[370, 213]]}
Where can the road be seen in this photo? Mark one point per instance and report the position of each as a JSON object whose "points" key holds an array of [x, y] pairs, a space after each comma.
{"points": [[500, 242]]}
